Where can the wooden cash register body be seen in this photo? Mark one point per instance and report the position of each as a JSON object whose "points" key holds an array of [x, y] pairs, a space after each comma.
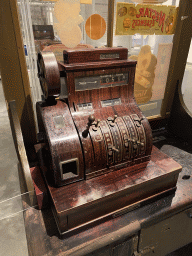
{"points": [[98, 160]]}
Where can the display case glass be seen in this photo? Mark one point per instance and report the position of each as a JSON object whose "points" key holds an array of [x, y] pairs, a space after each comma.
{"points": [[45, 26], [186, 84]]}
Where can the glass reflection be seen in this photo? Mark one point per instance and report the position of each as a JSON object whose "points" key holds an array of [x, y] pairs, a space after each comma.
{"points": [[186, 88]]}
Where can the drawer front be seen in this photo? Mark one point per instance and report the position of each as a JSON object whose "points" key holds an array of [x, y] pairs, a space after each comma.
{"points": [[166, 236], [125, 248]]}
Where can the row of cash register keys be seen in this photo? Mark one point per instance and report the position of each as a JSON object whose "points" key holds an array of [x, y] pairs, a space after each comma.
{"points": [[124, 137]]}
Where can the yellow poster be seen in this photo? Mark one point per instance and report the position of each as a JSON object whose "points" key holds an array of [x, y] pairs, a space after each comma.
{"points": [[145, 19]]}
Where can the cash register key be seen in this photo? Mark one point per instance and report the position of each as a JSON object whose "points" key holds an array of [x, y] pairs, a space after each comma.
{"points": [[97, 124], [91, 119], [95, 128], [115, 149], [112, 119], [138, 121], [141, 144], [110, 153], [126, 144], [115, 116]]}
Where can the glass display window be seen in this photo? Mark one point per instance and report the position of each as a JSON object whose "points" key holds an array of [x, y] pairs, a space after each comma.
{"points": [[186, 84], [40, 22], [152, 51]]}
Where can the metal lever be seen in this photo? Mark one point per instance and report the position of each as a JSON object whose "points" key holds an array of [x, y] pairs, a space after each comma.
{"points": [[141, 144], [115, 116], [115, 149], [96, 125], [112, 120], [138, 121], [91, 120]]}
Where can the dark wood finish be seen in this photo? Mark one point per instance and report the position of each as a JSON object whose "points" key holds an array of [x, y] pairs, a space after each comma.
{"points": [[94, 149], [43, 237], [48, 74], [58, 49], [94, 65], [100, 198], [95, 96], [82, 55], [40, 188], [111, 144], [88, 151], [64, 142], [124, 93], [100, 156]]}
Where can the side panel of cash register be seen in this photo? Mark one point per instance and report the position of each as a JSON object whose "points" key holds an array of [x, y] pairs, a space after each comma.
{"points": [[65, 158]]}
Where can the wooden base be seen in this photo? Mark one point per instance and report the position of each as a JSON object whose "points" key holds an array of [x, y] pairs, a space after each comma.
{"points": [[107, 196]]}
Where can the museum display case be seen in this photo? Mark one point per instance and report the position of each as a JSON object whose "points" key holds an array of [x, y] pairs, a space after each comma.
{"points": [[96, 84], [149, 91]]}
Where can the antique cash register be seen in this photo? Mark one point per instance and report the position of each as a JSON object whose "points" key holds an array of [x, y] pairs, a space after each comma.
{"points": [[98, 160]]}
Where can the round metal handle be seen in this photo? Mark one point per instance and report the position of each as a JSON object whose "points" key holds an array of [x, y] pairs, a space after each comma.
{"points": [[91, 119]]}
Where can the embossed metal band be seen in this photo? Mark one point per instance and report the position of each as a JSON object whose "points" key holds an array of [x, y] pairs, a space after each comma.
{"points": [[133, 135], [108, 142], [141, 133], [126, 148], [117, 141]]}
